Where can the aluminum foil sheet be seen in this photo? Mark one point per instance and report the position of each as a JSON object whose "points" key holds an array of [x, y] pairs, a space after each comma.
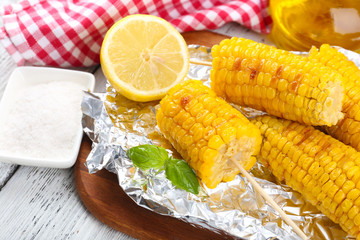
{"points": [[115, 124]]}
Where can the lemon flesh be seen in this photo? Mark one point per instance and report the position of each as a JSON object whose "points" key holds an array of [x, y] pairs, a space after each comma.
{"points": [[143, 56]]}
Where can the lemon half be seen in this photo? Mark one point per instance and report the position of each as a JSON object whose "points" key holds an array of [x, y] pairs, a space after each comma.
{"points": [[143, 56]]}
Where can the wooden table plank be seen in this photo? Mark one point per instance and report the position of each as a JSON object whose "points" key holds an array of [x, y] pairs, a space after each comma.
{"points": [[42, 203], [7, 65]]}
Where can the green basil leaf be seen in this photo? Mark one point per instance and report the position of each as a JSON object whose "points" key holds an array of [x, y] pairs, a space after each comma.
{"points": [[148, 156], [181, 175]]}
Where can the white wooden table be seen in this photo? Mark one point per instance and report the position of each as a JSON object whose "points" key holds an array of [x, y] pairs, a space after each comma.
{"points": [[43, 203]]}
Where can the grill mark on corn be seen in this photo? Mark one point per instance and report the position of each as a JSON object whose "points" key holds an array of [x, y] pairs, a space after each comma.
{"points": [[253, 75], [273, 83], [237, 64], [304, 135], [185, 100], [279, 71], [325, 146], [261, 65], [293, 86]]}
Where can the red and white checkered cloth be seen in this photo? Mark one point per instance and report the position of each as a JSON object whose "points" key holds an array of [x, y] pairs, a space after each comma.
{"points": [[70, 32]]}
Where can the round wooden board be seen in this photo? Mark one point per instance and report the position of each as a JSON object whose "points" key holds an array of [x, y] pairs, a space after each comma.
{"points": [[105, 199]]}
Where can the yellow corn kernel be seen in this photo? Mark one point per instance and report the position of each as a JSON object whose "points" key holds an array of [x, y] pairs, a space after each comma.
{"points": [[201, 115], [338, 212], [180, 118], [305, 180], [354, 232], [208, 119], [282, 85], [208, 133], [188, 140], [354, 210], [326, 203], [324, 179], [197, 131], [216, 142], [188, 123], [307, 162], [341, 180], [339, 196], [357, 201], [357, 220], [346, 205], [332, 208], [316, 170], [190, 115], [327, 186], [218, 122], [194, 155], [348, 186], [286, 162], [335, 174], [332, 191], [315, 191], [325, 160], [349, 224], [228, 134], [209, 155], [330, 167], [353, 194]]}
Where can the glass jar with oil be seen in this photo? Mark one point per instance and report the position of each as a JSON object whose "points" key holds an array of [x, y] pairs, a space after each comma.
{"points": [[300, 24]]}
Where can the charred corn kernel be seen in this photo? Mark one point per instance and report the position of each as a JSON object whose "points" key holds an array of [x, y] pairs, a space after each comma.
{"points": [[348, 129], [324, 176], [207, 132], [292, 87]]}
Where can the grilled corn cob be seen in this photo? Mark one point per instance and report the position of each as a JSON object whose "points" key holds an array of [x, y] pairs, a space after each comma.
{"points": [[323, 169], [207, 132], [276, 81], [348, 129]]}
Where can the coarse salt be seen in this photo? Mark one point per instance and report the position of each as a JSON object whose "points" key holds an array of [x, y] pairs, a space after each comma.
{"points": [[43, 121]]}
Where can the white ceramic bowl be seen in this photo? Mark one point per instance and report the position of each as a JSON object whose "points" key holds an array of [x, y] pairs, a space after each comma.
{"points": [[24, 77]]}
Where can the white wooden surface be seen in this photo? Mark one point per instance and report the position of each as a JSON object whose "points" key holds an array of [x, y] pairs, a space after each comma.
{"points": [[42, 203]]}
